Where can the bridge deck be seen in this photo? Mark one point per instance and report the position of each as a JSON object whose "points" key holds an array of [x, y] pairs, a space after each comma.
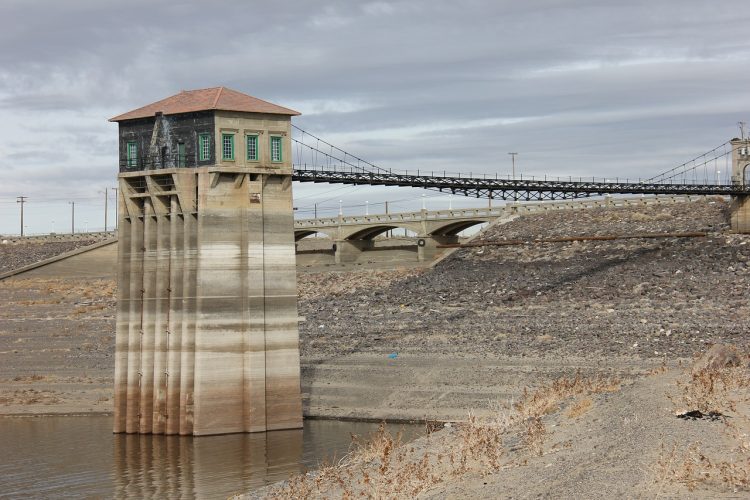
{"points": [[527, 189]]}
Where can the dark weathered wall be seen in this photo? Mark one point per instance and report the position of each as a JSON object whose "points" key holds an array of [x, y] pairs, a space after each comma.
{"points": [[161, 151]]}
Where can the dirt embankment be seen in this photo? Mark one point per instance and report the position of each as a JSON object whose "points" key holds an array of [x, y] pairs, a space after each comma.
{"points": [[670, 434], [56, 345]]}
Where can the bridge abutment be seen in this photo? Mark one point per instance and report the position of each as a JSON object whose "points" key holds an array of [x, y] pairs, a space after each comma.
{"points": [[740, 214], [427, 246], [348, 251], [740, 204]]}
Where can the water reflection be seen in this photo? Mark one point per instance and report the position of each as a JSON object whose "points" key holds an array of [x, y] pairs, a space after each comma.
{"points": [[172, 466], [54, 457]]}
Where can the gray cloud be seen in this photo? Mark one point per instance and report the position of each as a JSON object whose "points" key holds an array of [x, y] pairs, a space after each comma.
{"points": [[576, 87]]}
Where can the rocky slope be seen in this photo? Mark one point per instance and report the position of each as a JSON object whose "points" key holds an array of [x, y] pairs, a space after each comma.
{"points": [[640, 297]]}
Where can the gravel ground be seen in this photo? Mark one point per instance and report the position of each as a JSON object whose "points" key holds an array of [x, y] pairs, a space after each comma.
{"points": [[15, 255], [639, 297]]}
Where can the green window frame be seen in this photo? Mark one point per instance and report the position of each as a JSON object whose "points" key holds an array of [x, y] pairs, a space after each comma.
{"points": [[227, 146], [276, 149], [204, 147], [131, 152], [252, 147]]}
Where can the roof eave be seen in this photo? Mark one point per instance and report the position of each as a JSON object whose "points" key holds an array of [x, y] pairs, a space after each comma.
{"points": [[125, 117]]}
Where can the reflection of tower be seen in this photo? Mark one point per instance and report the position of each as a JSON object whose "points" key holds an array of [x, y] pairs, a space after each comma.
{"points": [[207, 338], [740, 206], [181, 467]]}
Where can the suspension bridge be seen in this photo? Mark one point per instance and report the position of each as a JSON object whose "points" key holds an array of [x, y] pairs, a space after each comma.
{"points": [[320, 161]]}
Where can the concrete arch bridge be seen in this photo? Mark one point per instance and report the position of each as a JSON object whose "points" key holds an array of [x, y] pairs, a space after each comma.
{"points": [[347, 237], [352, 235]]}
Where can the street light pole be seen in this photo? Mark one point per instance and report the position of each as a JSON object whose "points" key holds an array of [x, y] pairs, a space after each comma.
{"points": [[72, 217], [513, 163]]}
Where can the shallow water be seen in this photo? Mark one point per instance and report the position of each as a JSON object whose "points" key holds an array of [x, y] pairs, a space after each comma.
{"points": [[80, 457]]}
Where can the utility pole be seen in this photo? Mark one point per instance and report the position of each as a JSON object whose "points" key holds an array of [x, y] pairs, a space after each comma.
{"points": [[105, 210], [513, 163], [21, 200], [72, 217], [390, 231]]}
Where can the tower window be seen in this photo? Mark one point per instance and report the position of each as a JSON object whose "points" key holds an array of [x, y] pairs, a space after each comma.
{"points": [[131, 150], [204, 147], [276, 148], [227, 146], [252, 147]]}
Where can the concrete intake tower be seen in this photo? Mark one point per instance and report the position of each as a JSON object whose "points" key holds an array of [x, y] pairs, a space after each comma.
{"points": [[207, 339]]}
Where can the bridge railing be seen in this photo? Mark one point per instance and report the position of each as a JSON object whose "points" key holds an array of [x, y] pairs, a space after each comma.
{"points": [[461, 213], [492, 212]]}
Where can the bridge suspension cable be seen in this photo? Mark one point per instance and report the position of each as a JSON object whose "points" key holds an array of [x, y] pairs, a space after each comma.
{"points": [[684, 169], [334, 153]]}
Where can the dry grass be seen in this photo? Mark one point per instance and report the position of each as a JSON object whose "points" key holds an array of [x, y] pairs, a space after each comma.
{"points": [[693, 468], [535, 405], [580, 407], [547, 399], [711, 391], [381, 466], [714, 390], [79, 310]]}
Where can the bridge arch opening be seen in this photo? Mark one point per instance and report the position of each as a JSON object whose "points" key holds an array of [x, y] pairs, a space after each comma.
{"points": [[309, 233], [461, 228], [387, 230]]}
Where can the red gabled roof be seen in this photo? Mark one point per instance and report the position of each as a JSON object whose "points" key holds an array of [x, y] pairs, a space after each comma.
{"points": [[220, 98]]}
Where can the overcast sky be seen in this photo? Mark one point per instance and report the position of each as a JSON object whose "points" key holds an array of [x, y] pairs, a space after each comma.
{"points": [[575, 87]]}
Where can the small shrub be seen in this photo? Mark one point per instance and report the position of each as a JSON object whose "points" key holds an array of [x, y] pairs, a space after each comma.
{"points": [[580, 407]]}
